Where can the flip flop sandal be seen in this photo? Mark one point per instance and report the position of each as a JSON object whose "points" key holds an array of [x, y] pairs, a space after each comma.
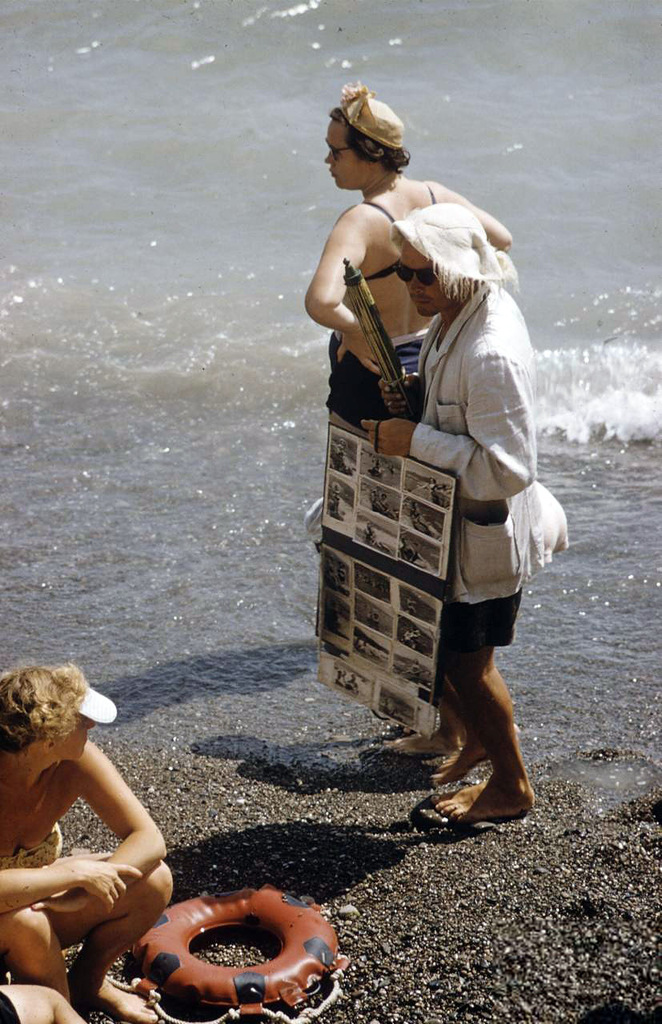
{"points": [[425, 817]]}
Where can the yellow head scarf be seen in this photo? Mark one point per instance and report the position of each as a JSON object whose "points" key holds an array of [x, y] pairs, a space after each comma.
{"points": [[370, 116]]}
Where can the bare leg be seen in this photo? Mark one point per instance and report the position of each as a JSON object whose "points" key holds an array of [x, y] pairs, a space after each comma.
{"points": [[106, 938], [488, 712], [35, 1004], [32, 950], [462, 761]]}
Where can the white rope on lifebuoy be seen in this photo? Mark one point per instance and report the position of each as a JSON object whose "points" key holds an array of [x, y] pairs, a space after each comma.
{"points": [[311, 1013]]}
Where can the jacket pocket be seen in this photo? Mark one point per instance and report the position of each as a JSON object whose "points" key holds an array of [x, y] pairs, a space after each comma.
{"points": [[488, 553], [451, 418]]}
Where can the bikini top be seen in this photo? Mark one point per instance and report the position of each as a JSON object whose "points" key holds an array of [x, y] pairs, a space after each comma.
{"points": [[387, 271], [47, 851]]}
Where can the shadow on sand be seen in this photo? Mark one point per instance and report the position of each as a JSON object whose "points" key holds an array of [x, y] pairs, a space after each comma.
{"points": [[315, 767], [289, 855]]}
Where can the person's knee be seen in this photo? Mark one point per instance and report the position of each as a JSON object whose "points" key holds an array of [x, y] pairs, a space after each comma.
{"points": [[158, 884], [468, 669], [24, 932]]}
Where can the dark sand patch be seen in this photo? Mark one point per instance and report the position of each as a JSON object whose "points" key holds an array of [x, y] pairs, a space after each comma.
{"points": [[549, 920]]}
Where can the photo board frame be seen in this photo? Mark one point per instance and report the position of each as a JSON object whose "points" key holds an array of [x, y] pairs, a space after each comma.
{"points": [[387, 526]]}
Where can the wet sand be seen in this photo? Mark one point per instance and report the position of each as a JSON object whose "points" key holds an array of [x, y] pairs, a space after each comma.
{"points": [[551, 919]]}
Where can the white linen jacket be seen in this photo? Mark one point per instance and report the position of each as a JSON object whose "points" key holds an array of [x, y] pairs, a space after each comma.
{"points": [[478, 423]]}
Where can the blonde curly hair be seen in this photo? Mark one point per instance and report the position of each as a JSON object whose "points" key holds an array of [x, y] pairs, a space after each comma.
{"points": [[39, 702]]}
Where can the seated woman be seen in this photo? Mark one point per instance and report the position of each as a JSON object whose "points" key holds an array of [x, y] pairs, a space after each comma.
{"points": [[49, 902], [34, 1004]]}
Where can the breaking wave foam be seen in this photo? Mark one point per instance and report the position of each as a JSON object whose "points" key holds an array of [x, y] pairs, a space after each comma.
{"points": [[607, 390]]}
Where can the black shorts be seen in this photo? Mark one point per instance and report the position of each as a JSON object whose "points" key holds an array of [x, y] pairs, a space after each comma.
{"points": [[466, 628], [8, 1014], [354, 389]]}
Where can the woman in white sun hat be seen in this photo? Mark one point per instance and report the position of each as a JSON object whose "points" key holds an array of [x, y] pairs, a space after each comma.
{"points": [[49, 902]]}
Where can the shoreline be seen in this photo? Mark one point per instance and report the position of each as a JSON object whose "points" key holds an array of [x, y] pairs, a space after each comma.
{"points": [[549, 919]]}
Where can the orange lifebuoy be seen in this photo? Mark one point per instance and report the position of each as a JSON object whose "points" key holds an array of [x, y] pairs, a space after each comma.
{"points": [[309, 950]]}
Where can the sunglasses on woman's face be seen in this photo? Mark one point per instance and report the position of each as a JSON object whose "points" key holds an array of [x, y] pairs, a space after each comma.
{"points": [[426, 276], [335, 151]]}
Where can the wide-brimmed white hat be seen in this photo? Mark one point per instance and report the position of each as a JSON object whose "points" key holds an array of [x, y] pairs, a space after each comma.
{"points": [[453, 238], [97, 707]]}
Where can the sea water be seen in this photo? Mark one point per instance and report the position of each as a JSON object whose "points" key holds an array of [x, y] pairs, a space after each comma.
{"points": [[165, 202]]}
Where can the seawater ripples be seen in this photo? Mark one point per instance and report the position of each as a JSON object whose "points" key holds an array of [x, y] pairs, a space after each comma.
{"points": [[66, 340]]}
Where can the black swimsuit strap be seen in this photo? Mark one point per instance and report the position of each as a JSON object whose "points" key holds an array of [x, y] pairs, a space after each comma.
{"points": [[380, 208], [387, 271]]}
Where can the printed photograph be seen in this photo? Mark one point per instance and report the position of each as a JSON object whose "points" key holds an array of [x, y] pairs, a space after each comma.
{"points": [[371, 582], [382, 500], [419, 605], [429, 484], [423, 518], [336, 571], [383, 469], [415, 636], [395, 705], [413, 668], [373, 615], [343, 452], [380, 534], [369, 646], [341, 676], [424, 554], [335, 618], [339, 504]]}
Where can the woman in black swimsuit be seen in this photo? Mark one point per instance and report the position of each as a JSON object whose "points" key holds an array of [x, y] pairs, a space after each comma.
{"points": [[364, 140]]}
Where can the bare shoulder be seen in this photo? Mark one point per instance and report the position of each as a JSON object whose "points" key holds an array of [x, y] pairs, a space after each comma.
{"points": [[354, 218], [92, 767], [441, 193]]}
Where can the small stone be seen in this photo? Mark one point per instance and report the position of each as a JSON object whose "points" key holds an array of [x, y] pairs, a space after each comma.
{"points": [[349, 910]]}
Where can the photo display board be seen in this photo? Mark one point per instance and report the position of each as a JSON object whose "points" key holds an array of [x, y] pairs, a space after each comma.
{"points": [[386, 534]]}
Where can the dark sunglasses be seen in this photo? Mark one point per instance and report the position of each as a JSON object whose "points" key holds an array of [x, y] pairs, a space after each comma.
{"points": [[336, 150], [426, 276]]}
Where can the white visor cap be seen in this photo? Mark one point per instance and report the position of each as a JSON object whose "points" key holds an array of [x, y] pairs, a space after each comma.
{"points": [[97, 707]]}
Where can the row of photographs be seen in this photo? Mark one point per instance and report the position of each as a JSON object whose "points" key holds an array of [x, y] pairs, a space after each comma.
{"points": [[378, 693], [395, 506], [378, 619]]}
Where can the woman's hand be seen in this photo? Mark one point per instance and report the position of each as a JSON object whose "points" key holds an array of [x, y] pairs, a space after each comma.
{"points": [[354, 342], [90, 877]]}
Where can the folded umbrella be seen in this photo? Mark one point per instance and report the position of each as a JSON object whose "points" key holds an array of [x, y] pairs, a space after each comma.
{"points": [[362, 304]]}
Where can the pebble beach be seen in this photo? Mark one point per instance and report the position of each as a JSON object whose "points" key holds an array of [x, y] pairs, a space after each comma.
{"points": [[548, 919]]}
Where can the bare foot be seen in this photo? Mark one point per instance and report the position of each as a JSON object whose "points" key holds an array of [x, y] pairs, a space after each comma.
{"points": [[121, 1006], [420, 746], [485, 802], [459, 764]]}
